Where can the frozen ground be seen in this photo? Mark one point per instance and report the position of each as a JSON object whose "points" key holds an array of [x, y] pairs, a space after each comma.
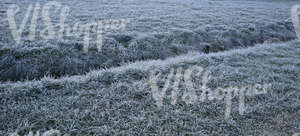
{"points": [[119, 101], [156, 30], [100, 93]]}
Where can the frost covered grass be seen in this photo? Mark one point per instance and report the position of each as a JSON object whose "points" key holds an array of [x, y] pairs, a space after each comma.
{"points": [[158, 29], [35, 60], [53, 84], [119, 100]]}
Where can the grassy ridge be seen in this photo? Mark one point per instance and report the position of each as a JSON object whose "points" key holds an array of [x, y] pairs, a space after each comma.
{"points": [[119, 100], [36, 60]]}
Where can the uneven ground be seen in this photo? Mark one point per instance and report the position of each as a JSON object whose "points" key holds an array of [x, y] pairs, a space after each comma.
{"points": [[156, 30], [119, 100], [55, 85]]}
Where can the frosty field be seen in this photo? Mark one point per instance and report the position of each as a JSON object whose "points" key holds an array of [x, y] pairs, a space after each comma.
{"points": [[54, 84]]}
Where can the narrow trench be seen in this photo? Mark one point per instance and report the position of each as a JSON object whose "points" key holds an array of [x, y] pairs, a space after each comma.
{"points": [[29, 64]]}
